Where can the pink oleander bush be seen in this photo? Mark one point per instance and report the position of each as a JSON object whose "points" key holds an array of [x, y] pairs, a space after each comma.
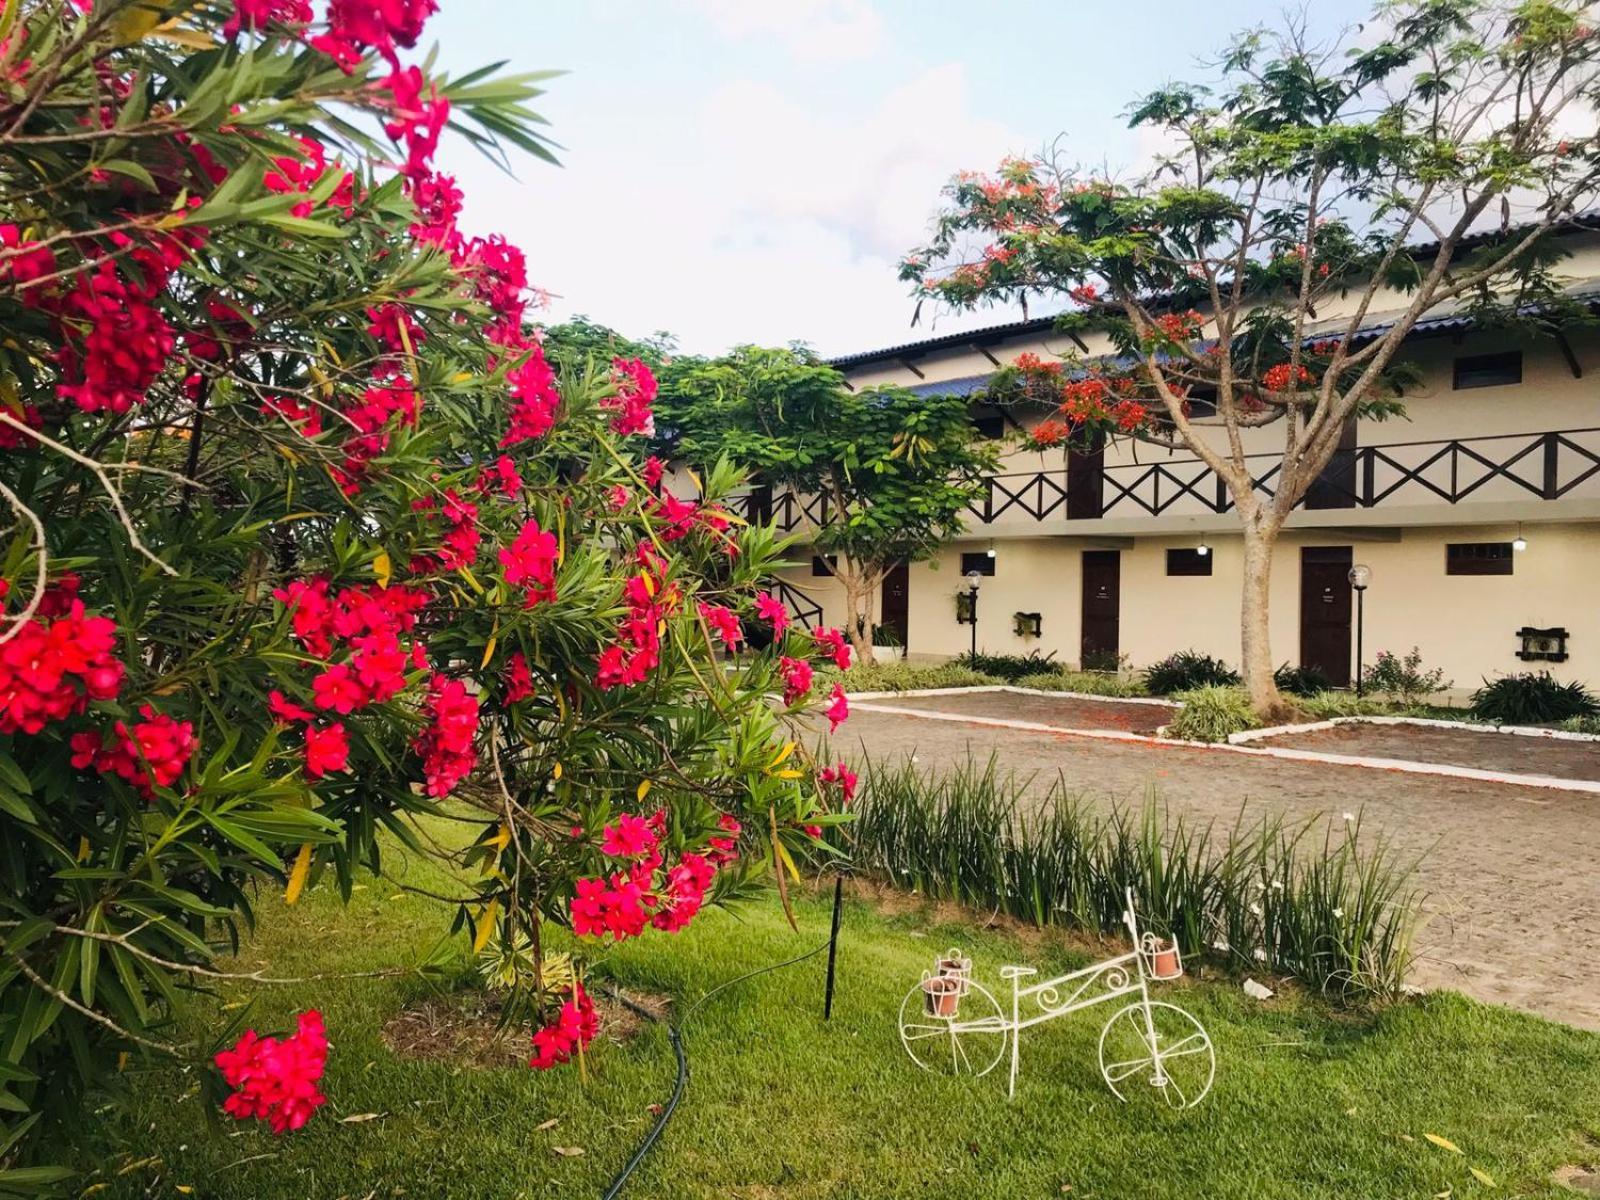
{"points": [[308, 538]]}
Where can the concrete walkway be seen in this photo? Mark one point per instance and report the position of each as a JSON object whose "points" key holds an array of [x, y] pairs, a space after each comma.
{"points": [[1513, 873]]}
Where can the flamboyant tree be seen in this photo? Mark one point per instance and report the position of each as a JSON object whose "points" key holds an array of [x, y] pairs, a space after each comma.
{"points": [[895, 470], [1433, 154], [307, 536]]}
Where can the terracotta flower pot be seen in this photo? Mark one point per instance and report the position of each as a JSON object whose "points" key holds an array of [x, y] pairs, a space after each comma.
{"points": [[1164, 960], [941, 995]]}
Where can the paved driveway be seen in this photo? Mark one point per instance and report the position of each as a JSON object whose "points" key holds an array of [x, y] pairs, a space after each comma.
{"points": [[1513, 872]]}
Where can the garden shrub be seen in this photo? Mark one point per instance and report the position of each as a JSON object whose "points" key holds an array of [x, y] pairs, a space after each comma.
{"points": [[1009, 667], [1186, 670], [1532, 698], [1402, 680], [1589, 724], [1262, 896], [309, 536], [1301, 681], [1212, 714], [1091, 683]]}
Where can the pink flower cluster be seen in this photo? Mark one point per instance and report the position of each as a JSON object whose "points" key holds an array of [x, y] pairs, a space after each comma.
{"points": [[367, 622], [530, 563], [56, 663], [797, 676], [446, 742], [635, 392], [638, 648], [623, 904], [276, 1080], [299, 174], [843, 776], [574, 1027], [151, 754], [832, 642], [724, 622]]}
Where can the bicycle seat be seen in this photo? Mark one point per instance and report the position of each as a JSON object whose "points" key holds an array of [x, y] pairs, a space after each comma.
{"points": [[1017, 972]]}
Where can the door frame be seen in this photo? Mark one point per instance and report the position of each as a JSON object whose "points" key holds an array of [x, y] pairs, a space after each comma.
{"points": [[1340, 559], [1102, 558]]}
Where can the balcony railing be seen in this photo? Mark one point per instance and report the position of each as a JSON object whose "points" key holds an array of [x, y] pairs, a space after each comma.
{"points": [[1501, 467]]}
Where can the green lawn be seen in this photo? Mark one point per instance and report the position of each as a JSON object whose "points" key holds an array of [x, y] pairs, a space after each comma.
{"points": [[1307, 1102]]}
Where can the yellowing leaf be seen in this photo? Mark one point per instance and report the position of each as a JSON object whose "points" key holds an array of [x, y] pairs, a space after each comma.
{"points": [[83, 849], [788, 749], [502, 837], [568, 1151], [297, 877], [1482, 1177], [133, 22], [550, 1124], [488, 652], [555, 771], [183, 1189], [382, 568], [789, 773], [486, 925], [644, 789], [1443, 1143], [359, 1118], [783, 855]]}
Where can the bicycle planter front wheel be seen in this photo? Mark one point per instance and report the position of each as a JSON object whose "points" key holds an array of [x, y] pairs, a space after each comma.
{"points": [[1150, 1046], [970, 1043]]}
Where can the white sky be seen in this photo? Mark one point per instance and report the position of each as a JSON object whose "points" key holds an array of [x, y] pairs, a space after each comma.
{"points": [[752, 170]]}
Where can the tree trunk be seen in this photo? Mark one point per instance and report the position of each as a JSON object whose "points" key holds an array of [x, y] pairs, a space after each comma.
{"points": [[858, 608], [1255, 625]]}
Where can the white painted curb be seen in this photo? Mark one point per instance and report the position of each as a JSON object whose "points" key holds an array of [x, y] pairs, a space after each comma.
{"points": [[1017, 691], [1404, 766], [1560, 735]]}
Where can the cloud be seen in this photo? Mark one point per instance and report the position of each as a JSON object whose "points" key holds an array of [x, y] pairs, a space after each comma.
{"points": [[812, 31], [758, 216]]}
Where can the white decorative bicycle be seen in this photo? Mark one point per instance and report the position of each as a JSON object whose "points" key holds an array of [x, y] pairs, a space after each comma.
{"points": [[1146, 1042]]}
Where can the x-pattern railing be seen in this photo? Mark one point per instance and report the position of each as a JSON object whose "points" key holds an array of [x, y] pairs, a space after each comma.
{"points": [[1547, 466]]}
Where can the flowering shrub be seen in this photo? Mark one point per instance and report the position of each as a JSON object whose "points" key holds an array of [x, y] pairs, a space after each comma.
{"points": [[310, 536]]}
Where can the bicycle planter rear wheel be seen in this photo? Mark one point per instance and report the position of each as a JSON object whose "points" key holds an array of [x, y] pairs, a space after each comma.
{"points": [[968, 1044], [1179, 1065]]}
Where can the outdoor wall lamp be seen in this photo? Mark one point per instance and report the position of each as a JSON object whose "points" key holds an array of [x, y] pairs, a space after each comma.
{"points": [[974, 579], [1520, 543], [1360, 577], [1202, 549]]}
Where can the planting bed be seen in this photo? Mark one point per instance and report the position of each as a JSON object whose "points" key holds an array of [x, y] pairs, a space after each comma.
{"points": [[1485, 750], [1068, 712]]}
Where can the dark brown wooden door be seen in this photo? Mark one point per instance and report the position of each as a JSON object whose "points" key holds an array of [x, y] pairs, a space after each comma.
{"points": [[1102, 603], [1335, 487], [1325, 611], [896, 602], [1086, 481]]}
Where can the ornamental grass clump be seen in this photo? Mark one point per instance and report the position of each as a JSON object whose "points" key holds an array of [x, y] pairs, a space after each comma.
{"points": [[1212, 714], [1187, 670], [1089, 683], [1259, 895], [906, 677]]}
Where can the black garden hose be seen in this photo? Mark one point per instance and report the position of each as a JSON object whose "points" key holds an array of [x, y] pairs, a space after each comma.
{"points": [[675, 1035]]}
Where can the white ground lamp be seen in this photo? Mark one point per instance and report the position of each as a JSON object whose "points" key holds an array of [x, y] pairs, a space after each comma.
{"points": [[1360, 578]]}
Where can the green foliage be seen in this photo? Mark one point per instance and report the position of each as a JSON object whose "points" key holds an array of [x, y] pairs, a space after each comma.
{"points": [[1009, 667], [1185, 670], [1301, 681], [1533, 698], [1090, 683], [1212, 714], [1589, 724], [1402, 680], [1260, 897], [896, 470], [905, 677]]}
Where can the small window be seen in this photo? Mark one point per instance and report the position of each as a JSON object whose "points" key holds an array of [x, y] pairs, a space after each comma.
{"points": [[1478, 558], [1488, 370], [1188, 561], [1201, 402], [991, 428], [981, 561], [820, 566]]}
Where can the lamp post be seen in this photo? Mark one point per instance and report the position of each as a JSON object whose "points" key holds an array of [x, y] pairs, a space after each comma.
{"points": [[1360, 577], [974, 578]]}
